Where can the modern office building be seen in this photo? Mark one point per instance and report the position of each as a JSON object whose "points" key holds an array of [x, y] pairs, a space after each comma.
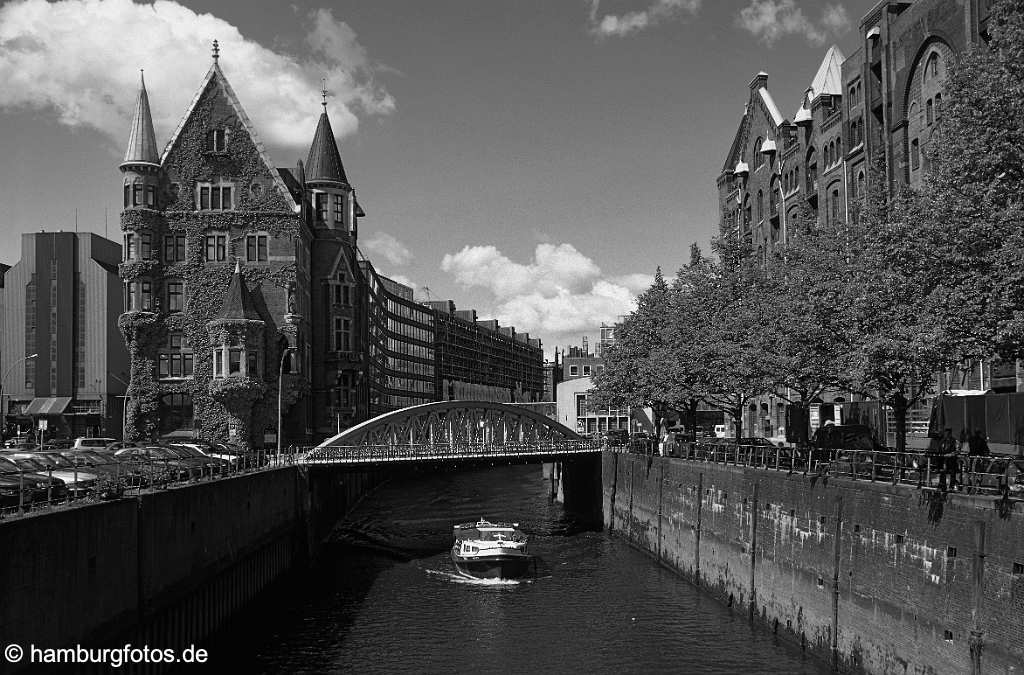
{"points": [[63, 360], [482, 360]]}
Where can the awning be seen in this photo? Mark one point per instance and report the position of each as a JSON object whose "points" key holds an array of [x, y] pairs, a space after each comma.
{"points": [[48, 406]]}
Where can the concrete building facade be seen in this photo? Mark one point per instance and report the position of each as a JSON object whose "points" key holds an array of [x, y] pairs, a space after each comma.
{"points": [[61, 303]]}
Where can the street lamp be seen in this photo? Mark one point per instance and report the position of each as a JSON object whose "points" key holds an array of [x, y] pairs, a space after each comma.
{"points": [[280, 383], [3, 408]]}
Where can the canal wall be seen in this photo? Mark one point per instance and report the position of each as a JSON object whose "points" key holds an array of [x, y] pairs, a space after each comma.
{"points": [[167, 568], [874, 577]]}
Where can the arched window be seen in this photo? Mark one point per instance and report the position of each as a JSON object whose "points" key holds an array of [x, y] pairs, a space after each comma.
{"points": [[934, 68], [758, 155], [812, 171], [915, 155], [860, 183], [746, 213], [938, 107], [773, 197], [760, 206], [928, 112], [913, 115]]}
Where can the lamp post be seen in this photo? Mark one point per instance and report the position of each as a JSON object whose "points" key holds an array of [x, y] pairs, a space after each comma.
{"points": [[124, 404], [280, 384], [3, 407]]}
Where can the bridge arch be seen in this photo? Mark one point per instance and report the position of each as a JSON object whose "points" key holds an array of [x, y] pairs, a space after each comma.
{"points": [[455, 423]]}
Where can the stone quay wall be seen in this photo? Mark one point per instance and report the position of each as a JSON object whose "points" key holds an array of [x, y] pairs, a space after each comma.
{"points": [[873, 577], [166, 568]]}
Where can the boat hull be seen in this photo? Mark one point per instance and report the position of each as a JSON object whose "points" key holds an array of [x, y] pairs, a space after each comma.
{"points": [[493, 566]]}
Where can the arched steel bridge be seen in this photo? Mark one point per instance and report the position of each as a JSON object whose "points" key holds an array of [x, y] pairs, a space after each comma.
{"points": [[451, 430]]}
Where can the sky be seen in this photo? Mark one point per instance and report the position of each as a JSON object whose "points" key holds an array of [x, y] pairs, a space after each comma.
{"points": [[535, 160]]}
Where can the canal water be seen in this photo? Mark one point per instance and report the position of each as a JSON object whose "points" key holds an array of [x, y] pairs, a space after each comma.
{"points": [[385, 597]]}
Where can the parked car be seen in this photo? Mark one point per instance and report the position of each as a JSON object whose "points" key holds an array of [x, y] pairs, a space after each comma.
{"points": [[96, 443], [78, 481], [20, 443], [161, 463], [40, 486]]}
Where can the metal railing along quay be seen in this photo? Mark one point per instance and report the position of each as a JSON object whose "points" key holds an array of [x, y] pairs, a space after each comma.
{"points": [[130, 478], [982, 475], [373, 454]]}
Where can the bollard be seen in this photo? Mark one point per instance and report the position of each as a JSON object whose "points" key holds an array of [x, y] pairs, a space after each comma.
{"points": [[49, 485]]}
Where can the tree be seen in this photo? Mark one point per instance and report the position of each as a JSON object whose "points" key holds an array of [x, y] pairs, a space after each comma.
{"points": [[724, 320], [973, 196], [635, 373], [808, 327], [900, 344]]}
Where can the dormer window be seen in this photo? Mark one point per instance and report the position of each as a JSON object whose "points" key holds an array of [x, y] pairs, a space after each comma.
{"points": [[215, 196], [216, 140], [339, 209], [321, 201]]}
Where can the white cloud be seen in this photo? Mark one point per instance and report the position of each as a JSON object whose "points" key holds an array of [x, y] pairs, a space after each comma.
{"points": [[394, 251], [771, 20], [611, 25], [80, 59], [559, 295]]}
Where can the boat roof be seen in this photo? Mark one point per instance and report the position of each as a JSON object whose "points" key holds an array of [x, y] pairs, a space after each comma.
{"points": [[473, 530]]}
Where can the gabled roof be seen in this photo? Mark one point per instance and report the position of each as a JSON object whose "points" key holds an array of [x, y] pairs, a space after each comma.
{"points": [[142, 140], [324, 161], [736, 148], [238, 303], [229, 93], [769, 103], [829, 78]]}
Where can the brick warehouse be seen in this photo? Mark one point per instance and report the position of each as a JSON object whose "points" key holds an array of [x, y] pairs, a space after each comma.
{"points": [[241, 277], [879, 104]]}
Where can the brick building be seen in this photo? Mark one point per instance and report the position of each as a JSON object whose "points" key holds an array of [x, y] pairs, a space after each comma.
{"points": [[242, 279], [876, 107]]}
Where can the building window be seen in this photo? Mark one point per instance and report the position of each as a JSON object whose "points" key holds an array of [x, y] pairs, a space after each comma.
{"points": [[252, 364], [175, 296], [129, 297], [174, 248], [234, 361], [915, 155], [176, 357], [574, 370], [127, 195], [938, 107], [581, 405], [151, 196], [835, 206], [215, 196], [130, 250], [216, 140], [137, 193], [146, 295], [342, 334], [586, 370], [256, 247], [216, 247], [760, 206], [758, 155], [320, 199], [339, 209], [218, 362], [928, 112]]}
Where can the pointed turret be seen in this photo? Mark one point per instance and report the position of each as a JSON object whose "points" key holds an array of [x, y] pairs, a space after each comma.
{"points": [[142, 140], [324, 161], [238, 304]]}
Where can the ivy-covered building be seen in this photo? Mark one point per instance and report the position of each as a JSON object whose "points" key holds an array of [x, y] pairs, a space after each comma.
{"points": [[241, 277]]}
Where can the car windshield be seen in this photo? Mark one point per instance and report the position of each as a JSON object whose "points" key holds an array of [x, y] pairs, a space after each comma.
{"points": [[95, 442], [31, 464], [90, 457], [7, 465], [53, 459]]}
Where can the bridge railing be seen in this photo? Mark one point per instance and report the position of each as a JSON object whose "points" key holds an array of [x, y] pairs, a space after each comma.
{"points": [[971, 475], [356, 454]]}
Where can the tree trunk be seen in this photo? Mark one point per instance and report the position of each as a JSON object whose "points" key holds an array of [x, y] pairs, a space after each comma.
{"points": [[691, 418], [737, 416], [899, 411]]}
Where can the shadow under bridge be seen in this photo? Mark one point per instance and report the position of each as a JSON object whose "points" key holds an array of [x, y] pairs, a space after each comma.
{"points": [[452, 430]]}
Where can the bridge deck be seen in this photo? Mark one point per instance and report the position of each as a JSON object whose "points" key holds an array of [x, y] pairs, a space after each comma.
{"points": [[378, 454]]}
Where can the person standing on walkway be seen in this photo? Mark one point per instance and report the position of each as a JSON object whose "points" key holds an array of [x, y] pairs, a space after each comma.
{"points": [[948, 448]]}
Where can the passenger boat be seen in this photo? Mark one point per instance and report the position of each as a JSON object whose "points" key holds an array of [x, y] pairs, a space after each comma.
{"points": [[486, 550]]}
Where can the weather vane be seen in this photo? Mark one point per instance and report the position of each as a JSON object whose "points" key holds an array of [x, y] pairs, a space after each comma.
{"points": [[323, 90]]}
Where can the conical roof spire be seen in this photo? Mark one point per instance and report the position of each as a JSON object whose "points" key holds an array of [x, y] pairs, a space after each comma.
{"points": [[324, 160], [142, 141], [238, 303]]}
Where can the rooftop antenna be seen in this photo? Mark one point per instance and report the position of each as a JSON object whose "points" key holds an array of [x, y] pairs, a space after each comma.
{"points": [[216, 51], [323, 91]]}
